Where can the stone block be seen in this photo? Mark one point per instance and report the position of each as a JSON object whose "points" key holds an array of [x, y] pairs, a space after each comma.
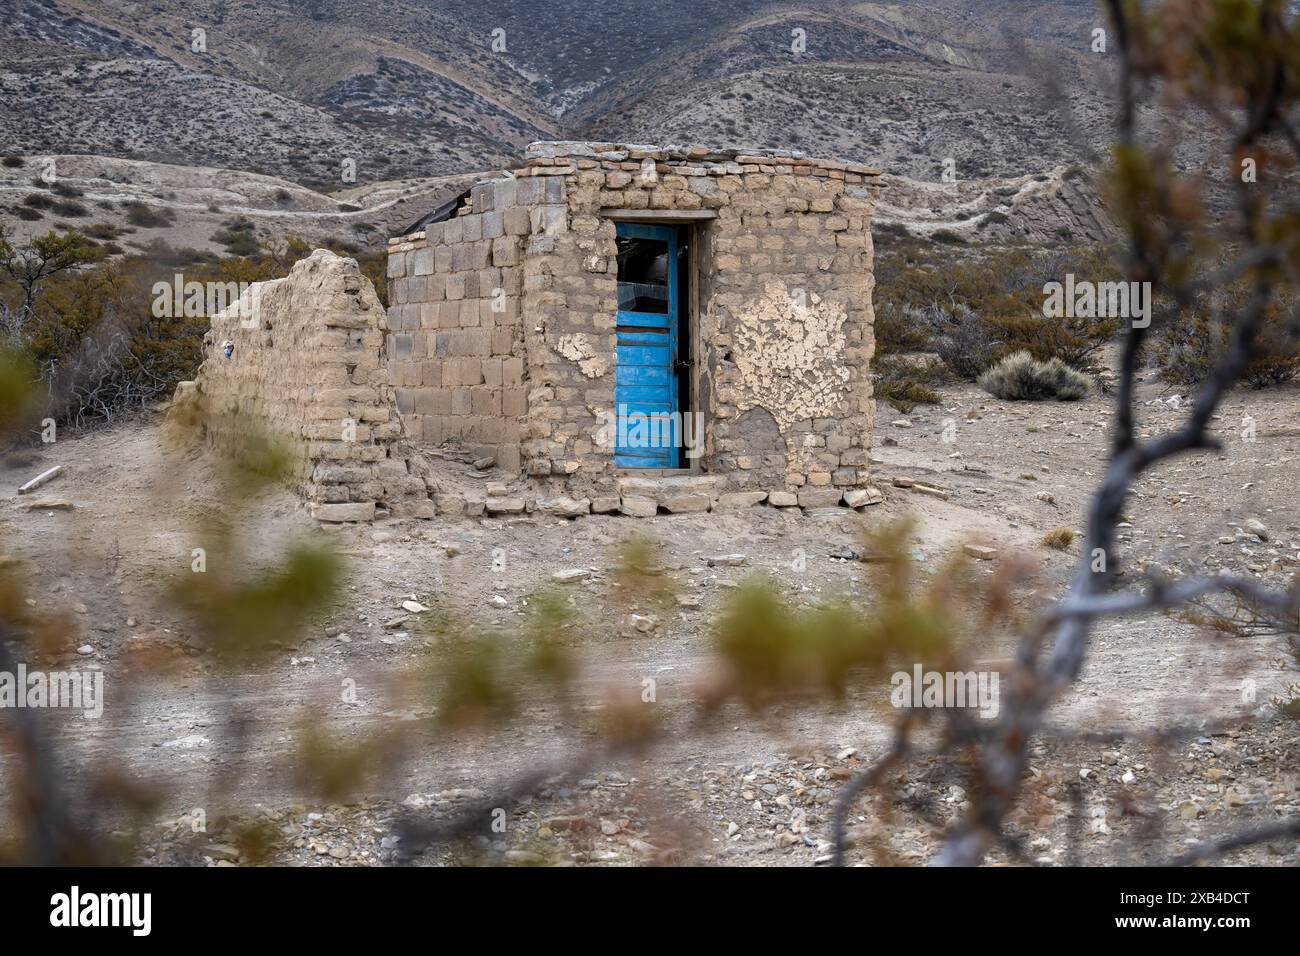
{"points": [[638, 506]]}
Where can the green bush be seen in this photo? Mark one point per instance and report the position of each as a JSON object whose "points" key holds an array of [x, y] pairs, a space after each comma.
{"points": [[1021, 378]]}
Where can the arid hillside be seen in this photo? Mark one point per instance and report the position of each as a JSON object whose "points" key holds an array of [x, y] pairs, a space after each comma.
{"points": [[401, 89]]}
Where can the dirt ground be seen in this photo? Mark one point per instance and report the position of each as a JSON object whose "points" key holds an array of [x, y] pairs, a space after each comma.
{"points": [[120, 523]]}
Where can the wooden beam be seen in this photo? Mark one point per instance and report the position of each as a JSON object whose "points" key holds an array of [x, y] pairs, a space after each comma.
{"points": [[659, 215], [40, 479]]}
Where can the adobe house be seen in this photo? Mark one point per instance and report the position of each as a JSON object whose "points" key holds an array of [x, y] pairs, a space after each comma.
{"points": [[646, 327]]}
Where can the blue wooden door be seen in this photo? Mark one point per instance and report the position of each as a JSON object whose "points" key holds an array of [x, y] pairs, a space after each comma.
{"points": [[645, 379]]}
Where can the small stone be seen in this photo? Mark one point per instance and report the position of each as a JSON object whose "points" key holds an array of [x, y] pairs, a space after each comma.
{"points": [[571, 575], [85, 650], [415, 607], [979, 552], [726, 560], [498, 601], [1257, 528], [496, 506], [863, 497], [930, 490], [50, 504]]}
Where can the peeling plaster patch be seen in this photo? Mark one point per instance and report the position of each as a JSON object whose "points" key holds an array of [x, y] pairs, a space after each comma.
{"points": [[788, 351], [577, 348]]}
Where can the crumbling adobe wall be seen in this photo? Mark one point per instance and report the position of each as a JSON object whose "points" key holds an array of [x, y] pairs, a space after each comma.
{"points": [[307, 373]]}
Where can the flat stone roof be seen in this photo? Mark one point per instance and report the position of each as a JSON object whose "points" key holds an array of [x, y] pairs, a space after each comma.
{"points": [[545, 153]]}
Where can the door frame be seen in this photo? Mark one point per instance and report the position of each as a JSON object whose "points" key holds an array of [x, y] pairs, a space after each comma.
{"points": [[683, 316]]}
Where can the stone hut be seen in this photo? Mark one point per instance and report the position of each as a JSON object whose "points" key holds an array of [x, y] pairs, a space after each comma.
{"points": [[645, 327]]}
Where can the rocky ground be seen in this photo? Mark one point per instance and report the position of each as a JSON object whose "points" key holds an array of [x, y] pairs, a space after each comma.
{"points": [[100, 543]]}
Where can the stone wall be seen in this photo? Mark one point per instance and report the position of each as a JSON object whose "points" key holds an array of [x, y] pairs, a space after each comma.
{"points": [[307, 373], [455, 340]]}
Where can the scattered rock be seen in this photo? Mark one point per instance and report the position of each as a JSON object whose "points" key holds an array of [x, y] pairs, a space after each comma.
{"points": [[862, 497], [49, 504], [571, 575]]}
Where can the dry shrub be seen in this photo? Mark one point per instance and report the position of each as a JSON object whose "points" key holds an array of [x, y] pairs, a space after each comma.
{"points": [[1060, 539], [1022, 378], [906, 382], [1186, 349]]}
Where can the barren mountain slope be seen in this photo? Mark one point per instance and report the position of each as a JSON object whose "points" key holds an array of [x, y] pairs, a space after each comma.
{"points": [[404, 88]]}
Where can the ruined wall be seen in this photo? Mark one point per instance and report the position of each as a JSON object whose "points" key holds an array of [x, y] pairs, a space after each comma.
{"points": [[455, 343], [307, 373]]}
